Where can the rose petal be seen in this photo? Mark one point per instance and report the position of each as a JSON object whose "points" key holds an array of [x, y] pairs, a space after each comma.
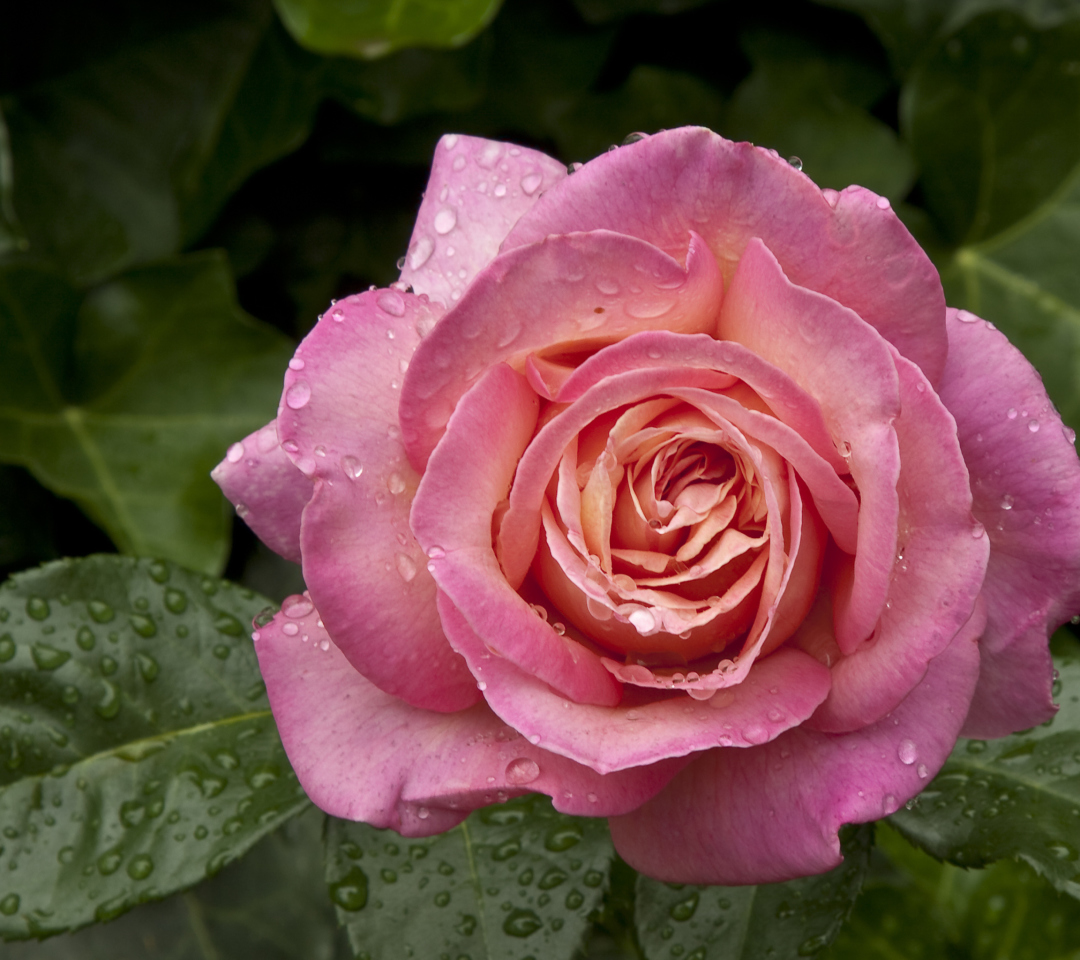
{"points": [[849, 246], [269, 493], [467, 477], [364, 755], [646, 730], [1026, 484], [806, 334], [477, 190], [936, 580], [565, 290], [338, 421], [772, 813]]}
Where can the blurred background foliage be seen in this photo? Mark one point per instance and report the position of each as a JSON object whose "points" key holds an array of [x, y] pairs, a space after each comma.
{"points": [[186, 185]]}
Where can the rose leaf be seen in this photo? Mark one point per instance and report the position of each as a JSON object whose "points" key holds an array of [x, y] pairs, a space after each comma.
{"points": [[915, 907], [270, 904], [137, 750], [991, 113], [1015, 797], [377, 27], [511, 881], [128, 157], [125, 400], [796, 918]]}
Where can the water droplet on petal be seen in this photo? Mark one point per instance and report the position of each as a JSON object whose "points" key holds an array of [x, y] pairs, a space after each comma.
{"points": [[907, 752], [445, 220], [530, 183], [978, 531], [459, 164], [406, 567], [500, 190], [642, 621], [922, 771], [966, 316], [436, 553], [1007, 502], [450, 141], [1011, 413], [298, 395], [391, 302], [883, 203], [521, 771], [1033, 426], [796, 162], [395, 484], [236, 453], [296, 607], [889, 804], [421, 252], [352, 467]]}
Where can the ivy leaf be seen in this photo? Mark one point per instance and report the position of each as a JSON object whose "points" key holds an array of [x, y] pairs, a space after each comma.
{"points": [[991, 114], [797, 918], [1025, 280], [137, 750], [127, 158], [271, 904], [123, 401], [372, 28], [1014, 797], [915, 907], [814, 108], [511, 881]]}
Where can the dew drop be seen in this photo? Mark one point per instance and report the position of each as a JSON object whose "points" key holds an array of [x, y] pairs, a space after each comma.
{"points": [[445, 220], [889, 804], [436, 553], [500, 190], [421, 252], [796, 162], [883, 203], [530, 183], [236, 452], [966, 316], [351, 891], [1007, 502], [1033, 426], [290, 629], [642, 621], [406, 567], [521, 771], [37, 608], [391, 302], [907, 752], [978, 531], [1011, 413], [922, 771], [395, 484], [351, 467], [297, 396], [297, 606]]}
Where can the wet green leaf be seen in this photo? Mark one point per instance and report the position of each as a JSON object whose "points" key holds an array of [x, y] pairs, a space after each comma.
{"points": [[372, 28], [123, 401], [137, 750], [992, 114], [127, 158], [814, 108], [917, 908], [1014, 797], [271, 904], [512, 881], [793, 919]]}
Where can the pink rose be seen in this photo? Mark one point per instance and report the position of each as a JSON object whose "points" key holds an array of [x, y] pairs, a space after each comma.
{"points": [[670, 489]]}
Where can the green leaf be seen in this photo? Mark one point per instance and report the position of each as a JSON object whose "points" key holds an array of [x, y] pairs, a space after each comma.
{"points": [[271, 905], [916, 908], [371, 28], [137, 750], [127, 158], [512, 881], [797, 918], [124, 401], [1025, 280], [651, 99], [1014, 797], [992, 114], [908, 27], [813, 107]]}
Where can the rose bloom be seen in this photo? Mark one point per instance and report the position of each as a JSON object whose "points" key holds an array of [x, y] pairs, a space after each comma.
{"points": [[670, 489]]}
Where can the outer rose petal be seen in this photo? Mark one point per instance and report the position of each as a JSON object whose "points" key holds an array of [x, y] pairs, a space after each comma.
{"points": [[478, 189], [577, 290], [338, 420], [269, 493], [937, 573], [645, 731], [772, 813], [1026, 487], [365, 755], [849, 245]]}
